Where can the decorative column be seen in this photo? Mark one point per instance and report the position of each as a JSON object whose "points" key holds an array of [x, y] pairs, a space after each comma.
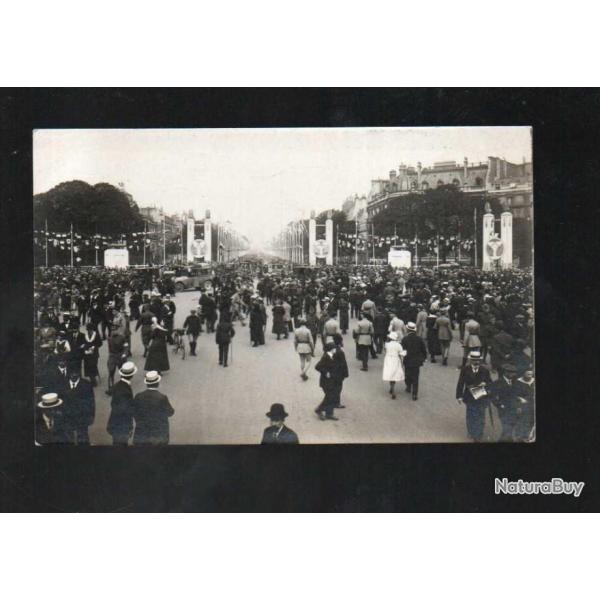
{"points": [[207, 237], [190, 240], [329, 239], [312, 236], [488, 233], [506, 225]]}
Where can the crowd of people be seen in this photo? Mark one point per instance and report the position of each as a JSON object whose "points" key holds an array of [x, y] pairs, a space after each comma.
{"points": [[406, 316]]}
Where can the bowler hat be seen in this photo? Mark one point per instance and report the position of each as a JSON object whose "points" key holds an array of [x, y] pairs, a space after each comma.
{"points": [[329, 346], [277, 411], [152, 378], [128, 369]]}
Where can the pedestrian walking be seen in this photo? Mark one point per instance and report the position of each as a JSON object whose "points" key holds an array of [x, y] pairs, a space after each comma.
{"points": [[444, 333], [393, 371], [158, 357], [91, 346], [79, 410], [416, 355], [120, 421], [151, 412], [223, 337], [363, 334], [305, 346], [472, 390], [192, 328], [329, 381]]}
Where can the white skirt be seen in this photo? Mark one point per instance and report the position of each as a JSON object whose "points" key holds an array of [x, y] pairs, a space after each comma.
{"points": [[392, 368]]}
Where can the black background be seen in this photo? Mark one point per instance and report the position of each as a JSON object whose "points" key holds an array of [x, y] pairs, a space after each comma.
{"points": [[459, 477]]}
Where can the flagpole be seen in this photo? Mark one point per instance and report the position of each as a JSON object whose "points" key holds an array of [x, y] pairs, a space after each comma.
{"points": [[181, 235], [437, 247], [416, 247], [373, 239], [475, 232], [356, 244], [459, 241], [164, 240], [71, 244], [46, 243]]}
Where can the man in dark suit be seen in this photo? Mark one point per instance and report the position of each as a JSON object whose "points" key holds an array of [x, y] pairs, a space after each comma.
{"points": [[79, 408], [120, 422], [331, 380], [151, 412], [473, 389], [504, 395], [501, 347], [277, 432], [223, 335], [416, 353], [55, 376]]}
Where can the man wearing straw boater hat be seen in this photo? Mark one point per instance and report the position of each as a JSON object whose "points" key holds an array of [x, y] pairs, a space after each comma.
{"points": [[472, 389], [120, 422], [277, 432], [49, 420], [416, 353], [151, 412]]}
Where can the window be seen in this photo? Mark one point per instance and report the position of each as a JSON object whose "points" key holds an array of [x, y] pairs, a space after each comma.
{"points": [[394, 187], [478, 181], [424, 186], [414, 185]]}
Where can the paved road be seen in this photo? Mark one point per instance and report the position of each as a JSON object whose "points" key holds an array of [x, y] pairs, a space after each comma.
{"points": [[216, 405]]}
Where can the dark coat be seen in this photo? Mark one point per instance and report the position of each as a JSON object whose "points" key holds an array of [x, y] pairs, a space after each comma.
{"points": [[120, 421], [468, 379], [279, 326], [224, 332], [158, 359], [416, 353], [333, 371], [151, 411], [55, 434], [79, 405], [192, 324], [285, 436]]}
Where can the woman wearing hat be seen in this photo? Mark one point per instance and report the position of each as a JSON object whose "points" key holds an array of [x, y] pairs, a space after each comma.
{"points": [[393, 370], [158, 358], [91, 343]]}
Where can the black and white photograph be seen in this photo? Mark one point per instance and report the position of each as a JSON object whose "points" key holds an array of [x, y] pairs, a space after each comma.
{"points": [[350, 285]]}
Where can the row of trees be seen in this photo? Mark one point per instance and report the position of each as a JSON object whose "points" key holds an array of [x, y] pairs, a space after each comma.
{"points": [[91, 209]]}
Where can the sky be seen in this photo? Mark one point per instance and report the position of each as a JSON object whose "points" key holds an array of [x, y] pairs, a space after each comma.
{"points": [[259, 179]]}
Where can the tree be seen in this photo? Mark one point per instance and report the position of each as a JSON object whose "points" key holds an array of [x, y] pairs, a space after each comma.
{"points": [[101, 208]]}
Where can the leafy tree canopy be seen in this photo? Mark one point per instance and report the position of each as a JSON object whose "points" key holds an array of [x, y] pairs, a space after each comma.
{"points": [[101, 208]]}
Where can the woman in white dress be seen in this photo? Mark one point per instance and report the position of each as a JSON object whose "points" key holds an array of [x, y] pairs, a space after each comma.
{"points": [[393, 370]]}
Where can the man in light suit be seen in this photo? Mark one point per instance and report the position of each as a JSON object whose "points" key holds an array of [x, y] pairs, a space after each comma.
{"points": [[151, 412]]}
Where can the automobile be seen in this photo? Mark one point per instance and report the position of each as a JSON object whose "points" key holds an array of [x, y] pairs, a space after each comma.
{"points": [[191, 278]]}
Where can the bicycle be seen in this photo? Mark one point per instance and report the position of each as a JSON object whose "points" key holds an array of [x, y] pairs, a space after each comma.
{"points": [[179, 342]]}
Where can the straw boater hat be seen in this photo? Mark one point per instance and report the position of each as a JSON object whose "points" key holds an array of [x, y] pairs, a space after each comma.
{"points": [[411, 326], [393, 336], [50, 401], [474, 355], [152, 378], [128, 369]]}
